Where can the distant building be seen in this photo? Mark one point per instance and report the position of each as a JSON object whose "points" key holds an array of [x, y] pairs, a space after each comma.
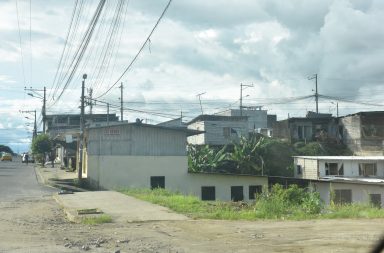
{"points": [[217, 129], [64, 129], [312, 127], [257, 118], [363, 132]]}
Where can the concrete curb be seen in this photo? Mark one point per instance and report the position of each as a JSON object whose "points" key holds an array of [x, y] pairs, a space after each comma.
{"points": [[39, 176], [72, 214]]}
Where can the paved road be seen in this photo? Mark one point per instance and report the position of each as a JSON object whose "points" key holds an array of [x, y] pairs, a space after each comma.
{"points": [[17, 181]]}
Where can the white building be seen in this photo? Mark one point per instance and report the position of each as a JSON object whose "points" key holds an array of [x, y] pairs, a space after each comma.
{"points": [[217, 130], [148, 156], [257, 118], [350, 178]]}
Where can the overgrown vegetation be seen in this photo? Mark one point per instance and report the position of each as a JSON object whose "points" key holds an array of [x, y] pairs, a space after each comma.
{"points": [[257, 155], [100, 219], [277, 203]]}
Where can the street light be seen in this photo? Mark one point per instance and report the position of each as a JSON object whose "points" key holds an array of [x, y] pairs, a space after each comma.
{"points": [[241, 96]]}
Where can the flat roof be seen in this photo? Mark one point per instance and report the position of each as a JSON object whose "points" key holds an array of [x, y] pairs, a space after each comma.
{"points": [[353, 158], [353, 180]]}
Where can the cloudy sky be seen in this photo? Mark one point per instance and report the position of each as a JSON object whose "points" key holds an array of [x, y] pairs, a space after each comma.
{"points": [[199, 46]]}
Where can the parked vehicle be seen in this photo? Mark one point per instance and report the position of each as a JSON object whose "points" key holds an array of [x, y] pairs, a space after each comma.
{"points": [[6, 157]]}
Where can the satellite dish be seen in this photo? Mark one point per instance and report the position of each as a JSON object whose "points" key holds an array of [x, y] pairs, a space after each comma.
{"points": [[139, 121]]}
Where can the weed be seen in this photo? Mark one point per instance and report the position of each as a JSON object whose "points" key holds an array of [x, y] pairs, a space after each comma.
{"points": [[100, 219]]}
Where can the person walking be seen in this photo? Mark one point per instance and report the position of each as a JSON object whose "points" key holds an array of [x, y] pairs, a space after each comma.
{"points": [[26, 158]]}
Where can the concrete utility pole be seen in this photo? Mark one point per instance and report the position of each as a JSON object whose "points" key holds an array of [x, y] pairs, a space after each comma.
{"points": [[316, 93], [107, 114], [241, 96], [43, 98], [82, 121], [44, 109], [90, 91], [201, 107], [34, 125], [121, 101]]}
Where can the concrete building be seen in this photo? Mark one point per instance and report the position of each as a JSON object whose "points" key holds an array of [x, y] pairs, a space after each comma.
{"points": [[309, 128], [217, 130], [257, 118], [351, 178], [363, 132], [149, 156], [64, 129]]}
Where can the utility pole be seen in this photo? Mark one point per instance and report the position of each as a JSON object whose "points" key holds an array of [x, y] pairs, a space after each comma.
{"points": [[44, 109], [90, 91], [82, 120], [107, 114], [316, 93], [241, 96], [201, 107], [34, 124], [34, 93], [121, 101]]}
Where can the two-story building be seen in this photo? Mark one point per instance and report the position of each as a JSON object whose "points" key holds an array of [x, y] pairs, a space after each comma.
{"points": [[64, 129], [217, 130], [363, 132], [344, 179], [310, 128]]}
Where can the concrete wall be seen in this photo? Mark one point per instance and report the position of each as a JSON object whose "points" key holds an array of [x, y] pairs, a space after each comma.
{"points": [[132, 139], [351, 167], [256, 118], [214, 132], [116, 172], [360, 192], [315, 169], [309, 168]]}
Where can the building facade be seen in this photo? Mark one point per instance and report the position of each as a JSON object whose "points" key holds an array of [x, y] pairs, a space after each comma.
{"points": [[346, 179], [217, 130], [149, 156]]}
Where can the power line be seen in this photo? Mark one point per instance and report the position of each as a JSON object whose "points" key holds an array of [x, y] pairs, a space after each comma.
{"points": [[21, 48], [81, 49], [140, 50]]}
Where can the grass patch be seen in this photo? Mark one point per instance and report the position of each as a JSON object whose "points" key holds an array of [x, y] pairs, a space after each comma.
{"points": [[293, 204], [100, 219]]}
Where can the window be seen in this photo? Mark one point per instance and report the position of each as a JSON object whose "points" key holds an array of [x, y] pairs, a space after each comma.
{"points": [[367, 169], [375, 200], [208, 193], [343, 196], [237, 193], [253, 190], [229, 132], [299, 169], [157, 182], [334, 169]]}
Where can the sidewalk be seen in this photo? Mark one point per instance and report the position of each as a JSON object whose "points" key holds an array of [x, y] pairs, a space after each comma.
{"points": [[120, 207]]}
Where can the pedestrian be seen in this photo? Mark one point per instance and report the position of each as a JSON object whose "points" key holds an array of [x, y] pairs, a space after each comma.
{"points": [[26, 158]]}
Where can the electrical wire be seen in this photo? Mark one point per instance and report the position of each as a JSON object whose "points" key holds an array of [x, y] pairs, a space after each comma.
{"points": [[21, 48], [139, 52]]}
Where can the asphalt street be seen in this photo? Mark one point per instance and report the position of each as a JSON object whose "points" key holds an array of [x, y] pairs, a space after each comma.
{"points": [[18, 181]]}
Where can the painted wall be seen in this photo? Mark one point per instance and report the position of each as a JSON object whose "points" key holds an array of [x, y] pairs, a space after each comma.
{"points": [[256, 118], [360, 192], [309, 168], [116, 172], [214, 132], [315, 169]]}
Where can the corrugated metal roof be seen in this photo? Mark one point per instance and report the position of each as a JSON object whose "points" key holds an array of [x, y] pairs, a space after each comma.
{"points": [[352, 158], [218, 118]]}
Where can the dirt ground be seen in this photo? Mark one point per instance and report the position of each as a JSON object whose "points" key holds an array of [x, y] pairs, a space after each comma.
{"points": [[39, 225]]}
